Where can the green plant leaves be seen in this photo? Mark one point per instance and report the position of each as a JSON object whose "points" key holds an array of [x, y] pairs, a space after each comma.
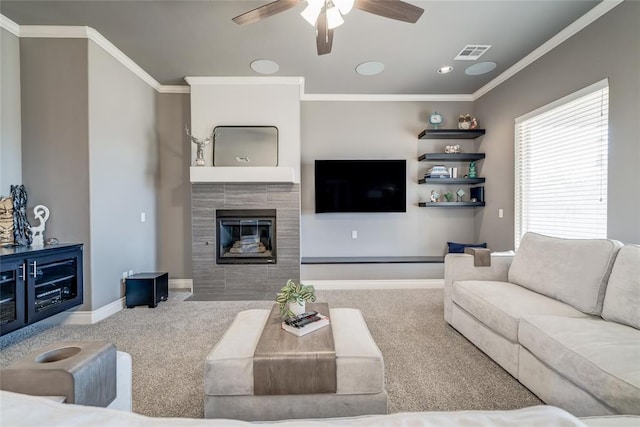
{"points": [[294, 292]]}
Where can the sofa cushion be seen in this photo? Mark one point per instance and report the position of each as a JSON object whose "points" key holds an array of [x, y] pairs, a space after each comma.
{"points": [[574, 271], [600, 357], [501, 305], [622, 297]]}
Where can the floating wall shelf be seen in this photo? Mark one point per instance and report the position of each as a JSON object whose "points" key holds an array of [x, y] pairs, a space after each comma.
{"points": [[450, 134], [445, 181], [457, 157], [450, 204]]}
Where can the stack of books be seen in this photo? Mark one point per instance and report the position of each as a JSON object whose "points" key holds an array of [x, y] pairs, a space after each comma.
{"points": [[305, 323], [438, 172]]}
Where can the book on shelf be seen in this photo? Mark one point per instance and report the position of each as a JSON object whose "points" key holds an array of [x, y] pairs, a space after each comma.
{"points": [[309, 327]]}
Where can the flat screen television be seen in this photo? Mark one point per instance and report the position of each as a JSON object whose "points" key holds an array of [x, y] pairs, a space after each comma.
{"points": [[361, 186]]}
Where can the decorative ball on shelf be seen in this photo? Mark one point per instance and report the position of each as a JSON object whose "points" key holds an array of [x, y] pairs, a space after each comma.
{"points": [[452, 149]]}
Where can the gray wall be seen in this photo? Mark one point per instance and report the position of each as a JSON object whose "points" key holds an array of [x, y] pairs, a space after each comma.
{"points": [[123, 165], [174, 192], [379, 130], [10, 132], [55, 133], [608, 48]]}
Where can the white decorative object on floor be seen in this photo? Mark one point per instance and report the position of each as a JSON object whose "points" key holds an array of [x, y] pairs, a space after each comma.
{"points": [[41, 213]]}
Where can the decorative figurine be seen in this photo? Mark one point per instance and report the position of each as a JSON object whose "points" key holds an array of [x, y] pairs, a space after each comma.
{"points": [[436, 119], [460, 193], [435, 195], [467, 122], [474, 123], [472, 170], [448, 196], [21, 229], [41, 213], [201, 144]]}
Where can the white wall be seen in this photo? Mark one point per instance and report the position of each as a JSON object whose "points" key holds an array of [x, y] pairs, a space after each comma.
{"points": [[10, 126], [248, 101], [123, 163]]}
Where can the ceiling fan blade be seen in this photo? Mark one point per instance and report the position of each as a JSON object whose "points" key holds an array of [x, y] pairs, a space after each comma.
{"points": [[265, 11], [394, 9], [324, 35]]}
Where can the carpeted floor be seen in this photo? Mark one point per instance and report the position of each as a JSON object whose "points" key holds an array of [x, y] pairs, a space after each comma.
{"points": [[428, 365]]}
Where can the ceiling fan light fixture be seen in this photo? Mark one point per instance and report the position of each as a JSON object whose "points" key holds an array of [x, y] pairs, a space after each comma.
{"points": [[334, 19], [312, 11], [344, 6]]}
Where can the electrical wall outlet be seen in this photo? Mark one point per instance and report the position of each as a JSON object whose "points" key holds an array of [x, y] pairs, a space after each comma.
{"points": [[500, 213], [354, 234], [143, 217]]}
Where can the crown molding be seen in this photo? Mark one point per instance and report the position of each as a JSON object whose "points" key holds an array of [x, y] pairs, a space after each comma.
{"points": [[174, 89], [9, 25], [79, 32], [385, 97], [250, 80], [579, 24], [54, 31], [110, 48]]}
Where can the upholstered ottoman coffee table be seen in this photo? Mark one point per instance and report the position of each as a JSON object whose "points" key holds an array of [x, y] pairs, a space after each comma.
{"points": [[229, 375]]}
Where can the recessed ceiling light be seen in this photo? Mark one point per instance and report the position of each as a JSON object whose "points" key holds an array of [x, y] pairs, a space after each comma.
{"points": [[445, 70], [370, 68], [264, 66], [480, 68]]}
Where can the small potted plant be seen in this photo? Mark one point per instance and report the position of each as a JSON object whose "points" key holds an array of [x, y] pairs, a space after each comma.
{"points": [[292, 298]]}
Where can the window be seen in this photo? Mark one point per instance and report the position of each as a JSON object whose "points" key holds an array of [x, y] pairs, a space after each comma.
{"points": [[561, 167]]}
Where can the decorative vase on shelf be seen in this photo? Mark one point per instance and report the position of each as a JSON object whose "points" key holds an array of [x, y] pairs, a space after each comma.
{"points": [[472, 170]]}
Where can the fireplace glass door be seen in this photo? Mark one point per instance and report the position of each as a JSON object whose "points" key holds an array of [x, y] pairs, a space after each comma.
{"points": [[245, 236]]}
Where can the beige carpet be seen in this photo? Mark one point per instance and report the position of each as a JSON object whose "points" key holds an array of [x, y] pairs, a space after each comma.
{"points": [[428, 365]]}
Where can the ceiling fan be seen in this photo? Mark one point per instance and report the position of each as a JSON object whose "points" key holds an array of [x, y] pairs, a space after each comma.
{"points": [[326, 15]]}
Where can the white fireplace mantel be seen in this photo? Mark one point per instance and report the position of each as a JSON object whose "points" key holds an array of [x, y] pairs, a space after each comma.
{"points": [[250, 174]]}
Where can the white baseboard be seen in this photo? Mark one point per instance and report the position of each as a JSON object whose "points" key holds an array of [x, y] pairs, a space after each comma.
{"points": [[376, 284], [181, 284], [86, 317]]}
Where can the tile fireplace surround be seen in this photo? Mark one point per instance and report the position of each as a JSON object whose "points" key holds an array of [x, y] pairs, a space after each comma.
{"points": [[216, 282]]}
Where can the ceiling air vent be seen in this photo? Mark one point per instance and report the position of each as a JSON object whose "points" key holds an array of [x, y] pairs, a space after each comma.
{"points": [[471, 52]]}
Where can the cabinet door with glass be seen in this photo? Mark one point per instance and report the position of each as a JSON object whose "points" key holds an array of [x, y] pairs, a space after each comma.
{"points": [[54, 283], [12, 307]]}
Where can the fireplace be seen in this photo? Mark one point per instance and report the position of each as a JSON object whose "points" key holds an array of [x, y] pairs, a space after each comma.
{"points": [[246, 236]]}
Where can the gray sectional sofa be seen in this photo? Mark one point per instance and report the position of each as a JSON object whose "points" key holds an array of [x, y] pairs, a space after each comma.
{"points": [[561, 315]]}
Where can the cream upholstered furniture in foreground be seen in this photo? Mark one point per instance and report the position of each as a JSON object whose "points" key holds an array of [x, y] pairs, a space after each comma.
{"points": [[123, 388], [562, 316], [228, 374], [19, 410]]}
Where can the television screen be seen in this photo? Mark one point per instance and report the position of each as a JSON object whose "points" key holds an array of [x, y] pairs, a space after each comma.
{"points": [[361, 186]]}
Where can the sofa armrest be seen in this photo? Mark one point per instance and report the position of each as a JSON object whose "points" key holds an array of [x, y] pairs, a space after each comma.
{"points": [[461, 267]]}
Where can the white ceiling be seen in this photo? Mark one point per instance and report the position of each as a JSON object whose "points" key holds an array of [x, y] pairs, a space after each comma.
{"points": [[174, 39]]}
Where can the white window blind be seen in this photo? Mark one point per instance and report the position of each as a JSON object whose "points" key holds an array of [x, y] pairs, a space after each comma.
{"points": [[561, 167]]}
